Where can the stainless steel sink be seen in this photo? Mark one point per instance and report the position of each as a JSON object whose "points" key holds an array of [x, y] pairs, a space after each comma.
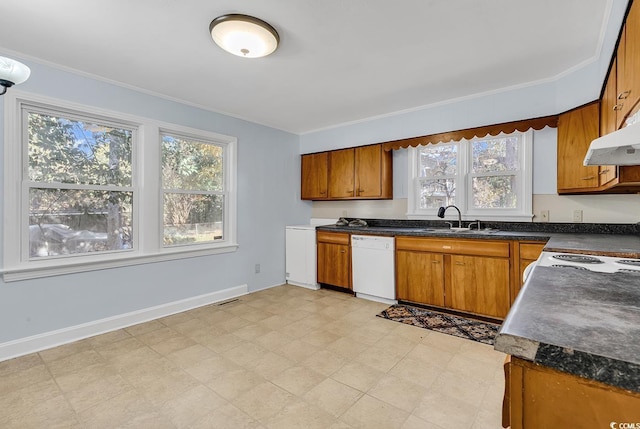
{"points": [[481, 231]]}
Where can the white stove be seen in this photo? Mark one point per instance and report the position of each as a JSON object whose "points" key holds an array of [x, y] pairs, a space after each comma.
{"points": [[597, 263]]}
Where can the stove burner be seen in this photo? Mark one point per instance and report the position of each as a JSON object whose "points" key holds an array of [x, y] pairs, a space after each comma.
{"points": [[575, 267], [582, 259], [632, 262]]}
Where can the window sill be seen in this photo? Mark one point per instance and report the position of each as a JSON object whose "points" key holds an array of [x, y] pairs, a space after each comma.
{"points": [[470, 217], [54, 267]]}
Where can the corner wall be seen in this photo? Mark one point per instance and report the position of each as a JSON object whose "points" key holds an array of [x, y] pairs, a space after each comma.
{"points": [[268, 199]]}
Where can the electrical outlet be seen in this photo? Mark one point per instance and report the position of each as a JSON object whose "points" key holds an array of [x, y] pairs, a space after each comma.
{"points": [[544, 216], [257, 268], [577, 216]]}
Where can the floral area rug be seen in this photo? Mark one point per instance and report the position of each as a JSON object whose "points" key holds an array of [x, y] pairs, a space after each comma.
{"points": [[452, 325]]}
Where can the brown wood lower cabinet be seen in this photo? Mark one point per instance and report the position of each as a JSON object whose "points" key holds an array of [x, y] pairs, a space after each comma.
{"points": [[538, 397], [479, 285], [334, 259], [467, 275], [528, 253], [420, 277]]}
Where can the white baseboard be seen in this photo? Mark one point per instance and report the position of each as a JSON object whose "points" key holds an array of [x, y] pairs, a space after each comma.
{"points": [[267, 287], [36, 343], [376, 298], [314, 286]]}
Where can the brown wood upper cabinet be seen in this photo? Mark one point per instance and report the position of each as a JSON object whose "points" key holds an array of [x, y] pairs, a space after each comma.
{"points": [[628, 66], [315, 174], [576, 129], [342, 183], [608, 120], [360, 173], [363, 172]]}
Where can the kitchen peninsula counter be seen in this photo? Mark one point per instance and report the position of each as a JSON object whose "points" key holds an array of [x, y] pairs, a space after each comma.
{"points": [[580, 322]]}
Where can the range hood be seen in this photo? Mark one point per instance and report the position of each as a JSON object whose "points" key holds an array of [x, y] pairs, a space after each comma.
{"points": [[620, 147]]}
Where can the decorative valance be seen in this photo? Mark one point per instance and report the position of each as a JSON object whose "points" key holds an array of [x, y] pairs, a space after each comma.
{"points": [[469, 133]]}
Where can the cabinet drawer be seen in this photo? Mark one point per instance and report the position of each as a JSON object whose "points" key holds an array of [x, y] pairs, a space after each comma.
{"points": [[531, 250], [459, 247], [333, 237]]}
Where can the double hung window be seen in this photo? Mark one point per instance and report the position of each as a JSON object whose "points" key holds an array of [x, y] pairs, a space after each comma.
{"points": [[486, 177], [193, 190], [78, 184], [88, 189]]}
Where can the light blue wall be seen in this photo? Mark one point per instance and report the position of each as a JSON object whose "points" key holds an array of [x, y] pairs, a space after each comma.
{"points": [[546, 98], [268, 199]]}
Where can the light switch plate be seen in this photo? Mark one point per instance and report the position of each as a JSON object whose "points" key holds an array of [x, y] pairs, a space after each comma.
{"points": [[577, 216], [544, 216]]}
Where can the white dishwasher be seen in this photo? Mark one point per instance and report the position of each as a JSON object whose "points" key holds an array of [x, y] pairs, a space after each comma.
{"points": [[373, 268]]}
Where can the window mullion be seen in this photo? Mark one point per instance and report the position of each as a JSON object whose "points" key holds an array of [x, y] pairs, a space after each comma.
{"points": [[463, 173], [496, 173], [69, 186]]}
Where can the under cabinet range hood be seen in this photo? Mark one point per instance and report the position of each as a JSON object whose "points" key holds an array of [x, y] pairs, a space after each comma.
{"points": [[620, 147]]}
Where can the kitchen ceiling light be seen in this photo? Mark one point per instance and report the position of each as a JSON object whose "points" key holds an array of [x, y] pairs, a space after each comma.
{"points": [[12, 73], [244, 36]]}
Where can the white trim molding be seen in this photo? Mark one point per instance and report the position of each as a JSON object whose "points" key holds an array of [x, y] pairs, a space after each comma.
{"points": [[47, 340]]}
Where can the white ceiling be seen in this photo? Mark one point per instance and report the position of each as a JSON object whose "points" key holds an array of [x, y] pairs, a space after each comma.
{"points": [[339, 60]]}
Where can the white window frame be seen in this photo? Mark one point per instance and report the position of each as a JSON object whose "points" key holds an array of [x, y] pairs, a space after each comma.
{"points": [[146, 184], [464, 196], [227, 180]]}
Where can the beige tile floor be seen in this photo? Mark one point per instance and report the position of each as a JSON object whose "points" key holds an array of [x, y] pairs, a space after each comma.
{"points": [[286, 357]]}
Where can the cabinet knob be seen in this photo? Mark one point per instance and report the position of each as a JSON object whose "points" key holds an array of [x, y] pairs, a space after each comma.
{"points": [[624, 95], [343, 251], [588, 178], [604, 171], [435, 262], [459, 263], [618, 107]]}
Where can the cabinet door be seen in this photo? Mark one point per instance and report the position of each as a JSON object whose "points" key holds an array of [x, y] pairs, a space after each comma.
{"points": [[341, 173], [334, 264], [420, 277], [528, 252], [368, 171], [608, 123], [628, 58], [541, 397], [576, 129], [315, 171], [479, 285]]}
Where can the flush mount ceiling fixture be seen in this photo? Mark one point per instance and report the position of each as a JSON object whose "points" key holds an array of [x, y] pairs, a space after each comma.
{"points": [[12, 72], [244, 36]]}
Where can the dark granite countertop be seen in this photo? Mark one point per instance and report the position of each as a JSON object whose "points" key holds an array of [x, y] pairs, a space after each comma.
{"points": [[598, 239], [580, 322]]}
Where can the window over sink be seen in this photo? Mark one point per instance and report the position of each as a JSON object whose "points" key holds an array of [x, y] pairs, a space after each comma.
{"points": [[486, 178]]}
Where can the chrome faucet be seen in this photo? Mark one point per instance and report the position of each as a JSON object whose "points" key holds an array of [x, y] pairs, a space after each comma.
{"points": [[476, 223], [441, 211]]}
